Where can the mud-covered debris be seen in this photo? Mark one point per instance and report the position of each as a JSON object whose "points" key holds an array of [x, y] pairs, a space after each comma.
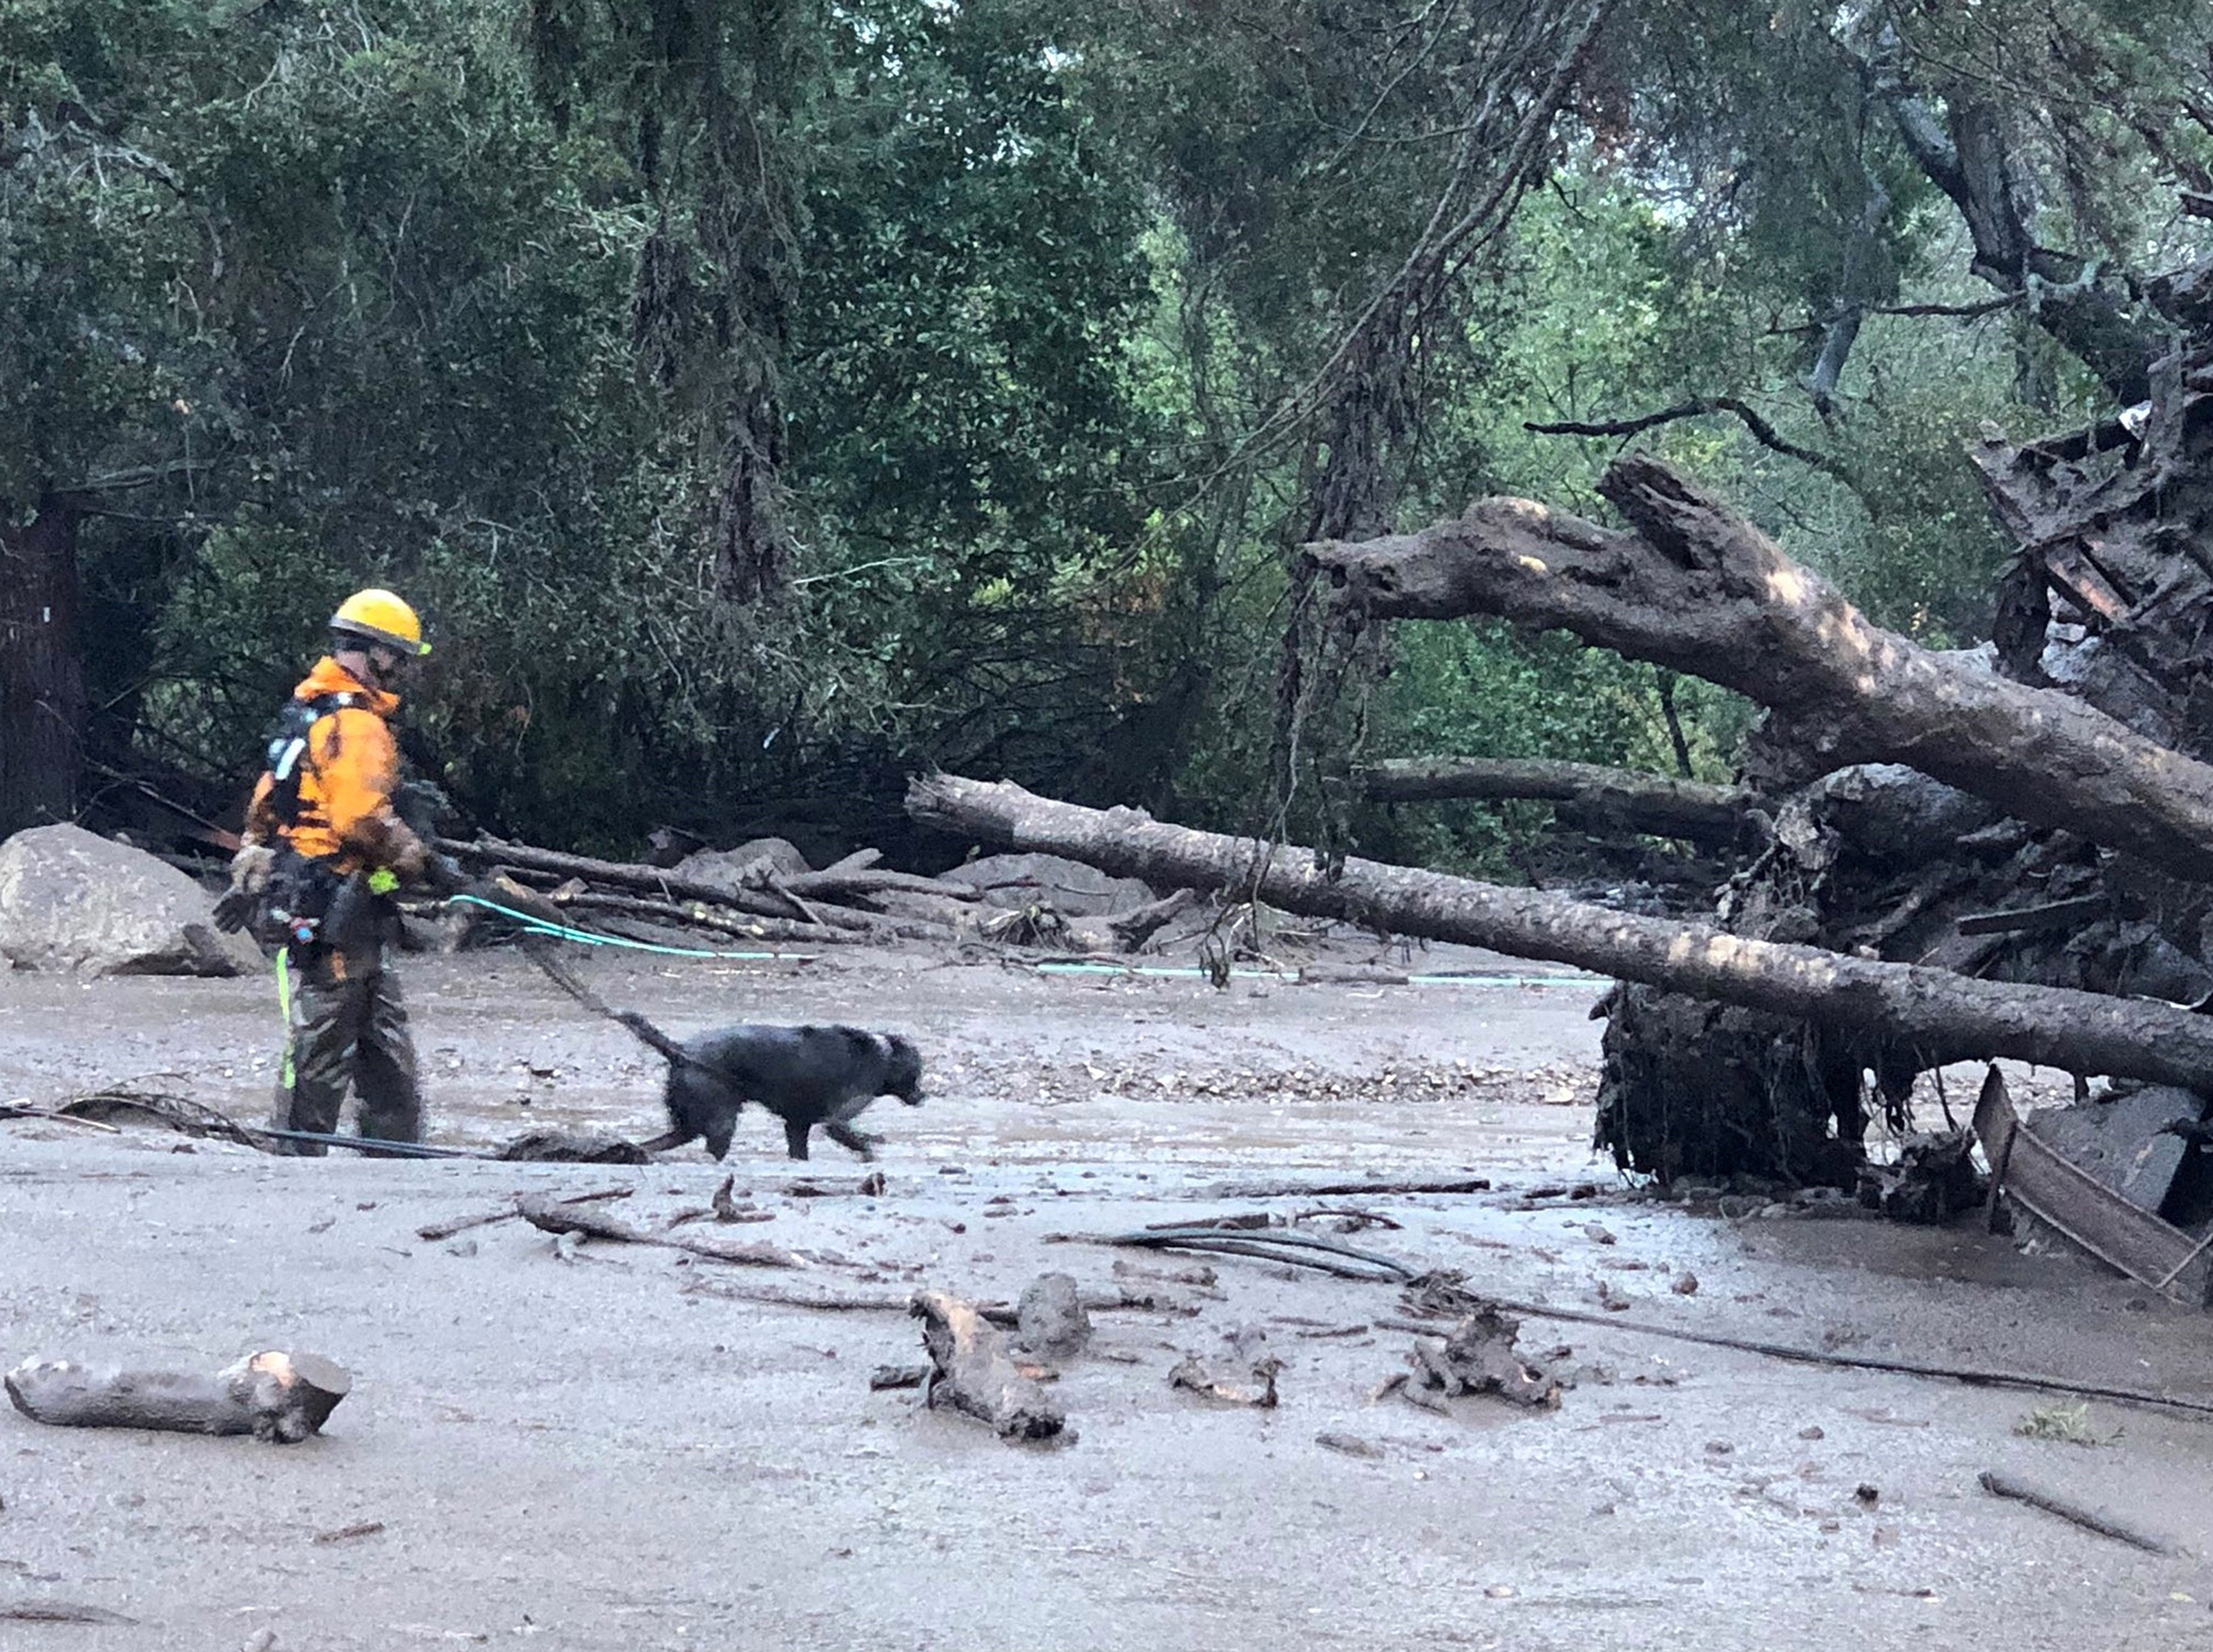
{"points": [[972, 1372], [1204, 1278], [1350, 1444], [1478, 1357], [60, 1612], [1051, 1322], [1934, 1179], [899, 1376], [1687, 1283], [1598, 1234], [572, 1146], [550, 1215], [360, 1528], [1245, 1375]]}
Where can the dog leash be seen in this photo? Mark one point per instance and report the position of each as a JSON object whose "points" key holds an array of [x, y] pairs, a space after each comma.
{"points": [[637, 1025]]}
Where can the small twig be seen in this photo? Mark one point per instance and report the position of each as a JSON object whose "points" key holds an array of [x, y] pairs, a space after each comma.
{"points": [[60, 1612], [14, 1110], [2002, 1485], [1299, 1250]]}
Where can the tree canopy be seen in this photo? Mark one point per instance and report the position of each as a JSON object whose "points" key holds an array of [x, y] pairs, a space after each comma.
{"points": [[763, 400]]}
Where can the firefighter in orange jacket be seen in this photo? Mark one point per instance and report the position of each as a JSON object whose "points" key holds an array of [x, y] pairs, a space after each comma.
{"points": [[324, 850]]}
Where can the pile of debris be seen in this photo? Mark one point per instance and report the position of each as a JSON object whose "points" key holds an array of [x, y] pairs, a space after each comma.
{"points": [[764, 891], [1943, 857]]}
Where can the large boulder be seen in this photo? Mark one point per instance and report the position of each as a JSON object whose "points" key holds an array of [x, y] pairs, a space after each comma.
{"points": [[1070, 887], [71, 900], [724, 867]]}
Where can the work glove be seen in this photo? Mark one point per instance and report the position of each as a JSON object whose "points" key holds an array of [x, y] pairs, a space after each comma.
{"points": [[410, 858], [250, 871]]}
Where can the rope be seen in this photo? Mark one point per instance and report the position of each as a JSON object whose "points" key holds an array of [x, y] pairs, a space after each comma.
{"points": [[589, 938]]}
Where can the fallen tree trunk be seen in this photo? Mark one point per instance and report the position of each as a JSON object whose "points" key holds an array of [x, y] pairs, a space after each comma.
{"points": [[1699, 589], [1620, 798], [273, 1396], [1945, 1017]]}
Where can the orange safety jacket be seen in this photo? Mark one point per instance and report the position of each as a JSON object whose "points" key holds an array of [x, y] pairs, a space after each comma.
{"points": [[349, 771]]}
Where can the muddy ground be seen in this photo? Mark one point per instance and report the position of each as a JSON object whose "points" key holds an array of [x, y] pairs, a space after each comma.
{"points": [[596, 1453]]}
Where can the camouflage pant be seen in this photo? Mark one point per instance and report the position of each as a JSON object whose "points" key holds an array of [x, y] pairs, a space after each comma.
{"points": [[349, 1027]]}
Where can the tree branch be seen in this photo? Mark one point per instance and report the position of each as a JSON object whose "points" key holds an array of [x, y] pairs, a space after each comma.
{"points": [[1762, 432]]}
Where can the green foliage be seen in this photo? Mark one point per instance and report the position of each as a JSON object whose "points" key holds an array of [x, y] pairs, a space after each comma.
{"points": [[1003, 320]]}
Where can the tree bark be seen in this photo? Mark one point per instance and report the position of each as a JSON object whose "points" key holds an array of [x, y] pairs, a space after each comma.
{"points": [[1699, 589], [41, 669], [1946, 1017], [1621, 798]]}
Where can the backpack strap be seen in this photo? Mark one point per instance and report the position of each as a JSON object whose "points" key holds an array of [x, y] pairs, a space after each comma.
{"points": [[289, 756]]}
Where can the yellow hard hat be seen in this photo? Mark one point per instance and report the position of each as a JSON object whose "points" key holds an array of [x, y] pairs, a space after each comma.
{"points": [[381, 618]]}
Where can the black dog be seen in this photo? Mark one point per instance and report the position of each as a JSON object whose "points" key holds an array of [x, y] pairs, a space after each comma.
{"points": [[806, 1076]]}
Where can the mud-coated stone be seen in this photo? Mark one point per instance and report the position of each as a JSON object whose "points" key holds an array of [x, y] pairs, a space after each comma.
{"points": [[1070, 887], [71, 900], [1053, 1324], [724, 867]]}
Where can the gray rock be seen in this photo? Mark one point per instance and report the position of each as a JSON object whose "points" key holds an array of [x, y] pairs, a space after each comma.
{"points": [[2119, 1140], [1070, 887], [1050, 1314], [724, 867], [72, 900]]}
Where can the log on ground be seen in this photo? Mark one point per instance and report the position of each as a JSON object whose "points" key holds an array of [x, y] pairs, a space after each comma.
{"points": [[1697, 588], [273, 1396], [1592, 795], [972, 1373], [1946, 1017]]}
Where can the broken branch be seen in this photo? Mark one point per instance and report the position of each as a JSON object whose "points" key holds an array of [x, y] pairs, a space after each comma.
{"points": [[550, 1215], [972, 1374], [2004, 1485], [1699, 589]]}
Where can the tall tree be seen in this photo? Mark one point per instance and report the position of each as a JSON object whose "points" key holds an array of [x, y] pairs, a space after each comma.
{"points": [[708, 94]]}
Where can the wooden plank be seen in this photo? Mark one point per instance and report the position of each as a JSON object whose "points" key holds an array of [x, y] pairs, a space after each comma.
{"points": [[2075, 575], [2124, 1236]]}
